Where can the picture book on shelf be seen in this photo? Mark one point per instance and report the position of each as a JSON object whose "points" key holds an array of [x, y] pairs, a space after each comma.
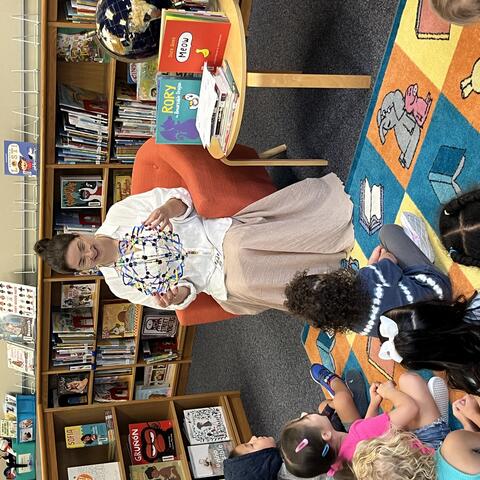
{"points": [[122, 184], [88, 435], [188, 39], [77, 295], [159, 374], [205, 425], [72, 383], [143, 392], [81, 192], [72, 320], [177, 103], [149, 442], [171, 470], [120, 320], [78, 47], [162, 324], [207, 460], [74, 98], [110, 392], [147, 80], [99, 471], [20, 158]]}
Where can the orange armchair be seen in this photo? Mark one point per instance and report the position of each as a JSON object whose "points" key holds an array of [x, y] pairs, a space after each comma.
{"points": [[217, 190]]}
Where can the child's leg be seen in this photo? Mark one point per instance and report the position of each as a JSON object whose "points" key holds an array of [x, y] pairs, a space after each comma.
{"points": [[429, 427], [416, 387], [396, 241], [343, 402]]}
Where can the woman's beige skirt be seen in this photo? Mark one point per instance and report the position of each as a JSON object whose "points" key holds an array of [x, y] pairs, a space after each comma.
{"points": [[306, 226]]}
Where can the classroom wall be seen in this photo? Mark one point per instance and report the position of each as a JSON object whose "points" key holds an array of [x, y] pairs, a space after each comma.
{"points": [[10, 241]]}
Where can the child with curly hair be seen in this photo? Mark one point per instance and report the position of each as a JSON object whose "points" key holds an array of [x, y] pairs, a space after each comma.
{"points": [[398, 274], [311, 446], [461, 12]]}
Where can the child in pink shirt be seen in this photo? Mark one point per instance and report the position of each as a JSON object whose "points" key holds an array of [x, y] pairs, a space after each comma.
{"points": [[311, 446]]}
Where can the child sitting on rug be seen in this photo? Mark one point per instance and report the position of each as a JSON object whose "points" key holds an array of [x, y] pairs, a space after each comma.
{"points": [[398, 274], [438, 336], [461, 12], [311, 446], [459, 226], [394, 456]]}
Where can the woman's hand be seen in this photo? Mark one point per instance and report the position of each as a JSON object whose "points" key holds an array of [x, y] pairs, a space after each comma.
{"points": [[174, 296], [159, 218], [469, 408]]}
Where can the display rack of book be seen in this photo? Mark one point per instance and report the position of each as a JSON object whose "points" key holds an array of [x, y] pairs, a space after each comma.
{"points": [[189, 435]]}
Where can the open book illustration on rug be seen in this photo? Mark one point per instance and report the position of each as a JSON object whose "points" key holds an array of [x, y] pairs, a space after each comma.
{"points": [[371, 206]]}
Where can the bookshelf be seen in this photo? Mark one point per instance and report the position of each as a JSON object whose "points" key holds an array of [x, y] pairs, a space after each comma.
{"points": [[59, 458]]}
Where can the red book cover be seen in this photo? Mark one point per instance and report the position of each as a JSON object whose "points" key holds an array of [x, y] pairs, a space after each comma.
{"points": [[187, 44], [151, 442]]}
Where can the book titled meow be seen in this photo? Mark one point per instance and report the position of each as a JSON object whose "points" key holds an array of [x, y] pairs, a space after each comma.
{"points": [[177, 103]]}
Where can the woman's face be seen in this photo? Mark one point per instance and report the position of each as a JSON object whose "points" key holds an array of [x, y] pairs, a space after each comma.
{"points": [[88, 251]]}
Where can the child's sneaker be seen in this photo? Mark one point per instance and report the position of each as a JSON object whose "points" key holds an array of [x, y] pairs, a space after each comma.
{"points": [[439, 390], [355, 382], [415, 229], [323, 376]]}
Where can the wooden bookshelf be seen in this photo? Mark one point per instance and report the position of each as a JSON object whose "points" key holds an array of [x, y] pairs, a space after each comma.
{"points": [[59, 458]]}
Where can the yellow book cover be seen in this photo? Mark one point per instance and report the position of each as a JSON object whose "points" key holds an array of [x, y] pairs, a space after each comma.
{"points": [[120, 320], [88, 435], [122, 184]]}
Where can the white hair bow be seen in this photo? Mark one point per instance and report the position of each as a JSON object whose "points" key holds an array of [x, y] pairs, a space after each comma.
{"points": [[389, 330]]}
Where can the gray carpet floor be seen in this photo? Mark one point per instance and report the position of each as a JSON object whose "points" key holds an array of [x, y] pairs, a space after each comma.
{"points": [[262, 355]]}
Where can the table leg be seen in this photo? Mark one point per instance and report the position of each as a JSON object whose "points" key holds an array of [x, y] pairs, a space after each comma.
{"points": [[305, 80], [275, 162]]}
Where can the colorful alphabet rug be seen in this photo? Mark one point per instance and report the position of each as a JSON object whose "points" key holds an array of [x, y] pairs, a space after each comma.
{"points": [[419, 147]]}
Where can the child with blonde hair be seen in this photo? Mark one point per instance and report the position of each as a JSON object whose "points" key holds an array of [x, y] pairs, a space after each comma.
{"points": [[395, 456], [460, 12], [310, 445]]}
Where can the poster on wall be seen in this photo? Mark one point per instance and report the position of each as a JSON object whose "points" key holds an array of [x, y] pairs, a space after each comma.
{"points": [[18, 299], [20, 158], [21, 358]]}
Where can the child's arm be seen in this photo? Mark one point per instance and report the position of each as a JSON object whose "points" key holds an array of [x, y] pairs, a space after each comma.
{"points": [[375, 401], [458, 449], [405, 408]]}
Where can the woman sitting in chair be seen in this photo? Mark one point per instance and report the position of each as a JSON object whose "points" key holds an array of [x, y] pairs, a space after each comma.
{"points": [[153, 249]]}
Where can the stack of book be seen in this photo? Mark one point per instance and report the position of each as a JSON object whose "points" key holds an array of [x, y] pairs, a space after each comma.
{"points": [[134, 124], [159, 342], [73, 342], [80, 11], [83, 126], [96, 471], [207, 434], [116, 351], [76, 222], [227, 98]]}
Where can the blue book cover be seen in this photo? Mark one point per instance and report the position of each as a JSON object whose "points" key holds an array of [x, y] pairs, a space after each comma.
{"points": [[20, 158], [177, 103]]}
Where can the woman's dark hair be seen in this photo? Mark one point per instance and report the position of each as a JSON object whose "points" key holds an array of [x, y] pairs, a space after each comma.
{"points": [[434, 335], [332, 301], [53, 250], [309, 461], [459, 226]]}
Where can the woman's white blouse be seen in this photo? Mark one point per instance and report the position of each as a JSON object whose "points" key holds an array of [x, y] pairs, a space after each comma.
{"points": [[202, 238]]}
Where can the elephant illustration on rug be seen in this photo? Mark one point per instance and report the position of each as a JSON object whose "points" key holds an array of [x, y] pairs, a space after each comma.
{"points": [[392, 115], [471, 83]]}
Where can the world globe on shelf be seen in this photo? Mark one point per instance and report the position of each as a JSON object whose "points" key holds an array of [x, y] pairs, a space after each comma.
{"points": [[129, 30]]}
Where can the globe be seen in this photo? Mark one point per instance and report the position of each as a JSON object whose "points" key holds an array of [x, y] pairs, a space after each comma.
{"points": [[129, 30]]}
